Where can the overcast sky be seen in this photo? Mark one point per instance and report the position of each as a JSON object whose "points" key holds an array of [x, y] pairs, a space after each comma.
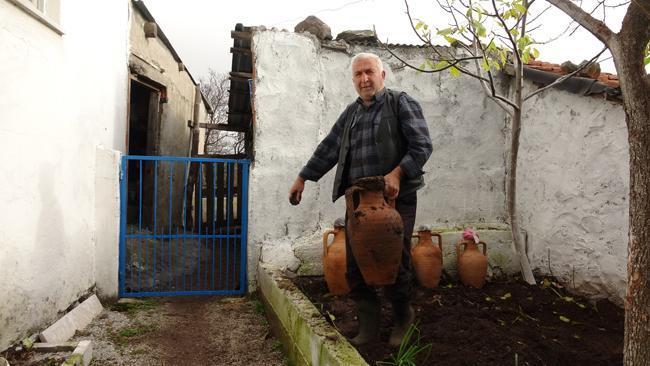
{"points": [[199, 30]]}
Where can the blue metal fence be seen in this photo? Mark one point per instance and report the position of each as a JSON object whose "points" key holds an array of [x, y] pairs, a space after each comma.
{"points": [[183, 226]]}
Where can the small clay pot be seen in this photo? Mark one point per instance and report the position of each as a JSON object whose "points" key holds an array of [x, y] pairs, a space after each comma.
{"points": [[472, 264], [375, 231], [334, 261], [427, 258]]}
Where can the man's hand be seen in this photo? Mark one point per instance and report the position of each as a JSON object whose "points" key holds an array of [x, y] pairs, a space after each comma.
{"points": [[392, 180], [295, 192]]}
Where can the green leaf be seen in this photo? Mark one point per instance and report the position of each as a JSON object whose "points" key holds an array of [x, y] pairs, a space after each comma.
{"points": [[514, 32], [480, 30], [535, 53], [520, 8], [419, 25], [454, 71], [565, 319], [441, 65], [484, 65], [451, 40], [646, 61], [429, 64], [445, 32]]}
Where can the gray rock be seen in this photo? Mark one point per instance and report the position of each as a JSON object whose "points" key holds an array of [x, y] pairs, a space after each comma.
{"points": [[365, 35], [315, 26], [336, 45]]}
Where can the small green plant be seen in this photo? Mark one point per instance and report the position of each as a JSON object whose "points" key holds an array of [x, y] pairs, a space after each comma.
{"points": [[408, 349], [277, 345]]}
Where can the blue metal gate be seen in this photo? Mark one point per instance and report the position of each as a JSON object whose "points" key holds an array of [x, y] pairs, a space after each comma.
{"points": [[183, 226]]}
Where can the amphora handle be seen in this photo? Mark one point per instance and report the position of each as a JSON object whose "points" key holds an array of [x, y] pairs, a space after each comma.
{"points": [[349, 199], [325, 237], [484, 247], [458, 250], [437, 235]]}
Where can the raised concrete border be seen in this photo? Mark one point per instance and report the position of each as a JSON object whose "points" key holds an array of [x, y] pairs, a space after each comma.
{"points": [[64, 328], [307, 338], [81, 356]]}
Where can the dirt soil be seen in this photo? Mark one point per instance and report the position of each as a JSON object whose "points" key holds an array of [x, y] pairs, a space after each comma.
{"points": [[504, 323], [176, 331]]}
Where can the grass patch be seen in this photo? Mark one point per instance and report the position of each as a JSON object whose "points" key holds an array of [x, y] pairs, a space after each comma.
{"points": [[136, 331], [125, 335]]}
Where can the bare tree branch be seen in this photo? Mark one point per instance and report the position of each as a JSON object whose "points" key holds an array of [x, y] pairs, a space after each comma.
{"points": [[593, 25], [567, 76]]}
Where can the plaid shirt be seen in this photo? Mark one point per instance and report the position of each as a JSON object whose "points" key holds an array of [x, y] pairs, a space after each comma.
{"points": [[363, 159]]}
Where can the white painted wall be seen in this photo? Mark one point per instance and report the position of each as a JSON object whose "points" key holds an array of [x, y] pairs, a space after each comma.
{"points": [[573, 175], [573, 190], [300, 90], [61, 97]]}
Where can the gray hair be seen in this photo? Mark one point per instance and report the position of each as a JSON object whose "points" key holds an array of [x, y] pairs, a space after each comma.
{"points": [[368, 55]]}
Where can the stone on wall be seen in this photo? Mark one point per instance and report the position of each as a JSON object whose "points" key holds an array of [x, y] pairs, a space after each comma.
{"points": [[315, 26], [366, 35]]}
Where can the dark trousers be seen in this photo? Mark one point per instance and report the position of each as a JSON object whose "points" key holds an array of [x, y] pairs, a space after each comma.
{"points": [[400, 291]]}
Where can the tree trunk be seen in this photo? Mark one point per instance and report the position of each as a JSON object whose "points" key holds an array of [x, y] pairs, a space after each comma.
{"points": [[627, 49], [511, 192], [637, 304]]}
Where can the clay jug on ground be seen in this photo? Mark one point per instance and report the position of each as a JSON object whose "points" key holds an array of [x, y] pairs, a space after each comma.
{"points": [[375, 231], [472, 264], [427, 258], [334, 266]]}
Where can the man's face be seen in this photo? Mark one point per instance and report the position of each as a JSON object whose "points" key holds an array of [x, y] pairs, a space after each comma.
{"points": [[367, 78]]}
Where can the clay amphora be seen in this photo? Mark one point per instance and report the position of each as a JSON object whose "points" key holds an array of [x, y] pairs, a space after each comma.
{"points": [[334, 266], [375, 231], [472, 264], [427, 258]]}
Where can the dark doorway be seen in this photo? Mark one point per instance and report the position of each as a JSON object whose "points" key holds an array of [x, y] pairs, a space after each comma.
{"points": [[144, 127]]}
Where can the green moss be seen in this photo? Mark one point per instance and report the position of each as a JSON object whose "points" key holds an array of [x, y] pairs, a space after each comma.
{"points": [[307, 268], [74, 359]]}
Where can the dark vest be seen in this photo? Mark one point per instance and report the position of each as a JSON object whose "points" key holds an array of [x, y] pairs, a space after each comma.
{"points": [[389, 141]]}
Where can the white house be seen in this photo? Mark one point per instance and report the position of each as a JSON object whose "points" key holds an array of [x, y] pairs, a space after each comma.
{"points": [[68, 70]]}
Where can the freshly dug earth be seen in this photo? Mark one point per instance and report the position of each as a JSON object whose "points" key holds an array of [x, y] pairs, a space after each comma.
{"points": [[176, 331], [504, 323]]}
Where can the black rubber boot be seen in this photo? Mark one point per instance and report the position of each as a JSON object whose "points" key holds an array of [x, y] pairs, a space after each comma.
{"points": [[368, 313], [403, 317]]}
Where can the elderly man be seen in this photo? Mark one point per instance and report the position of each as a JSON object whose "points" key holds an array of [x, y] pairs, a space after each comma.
{"points": [[362, 143]]}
